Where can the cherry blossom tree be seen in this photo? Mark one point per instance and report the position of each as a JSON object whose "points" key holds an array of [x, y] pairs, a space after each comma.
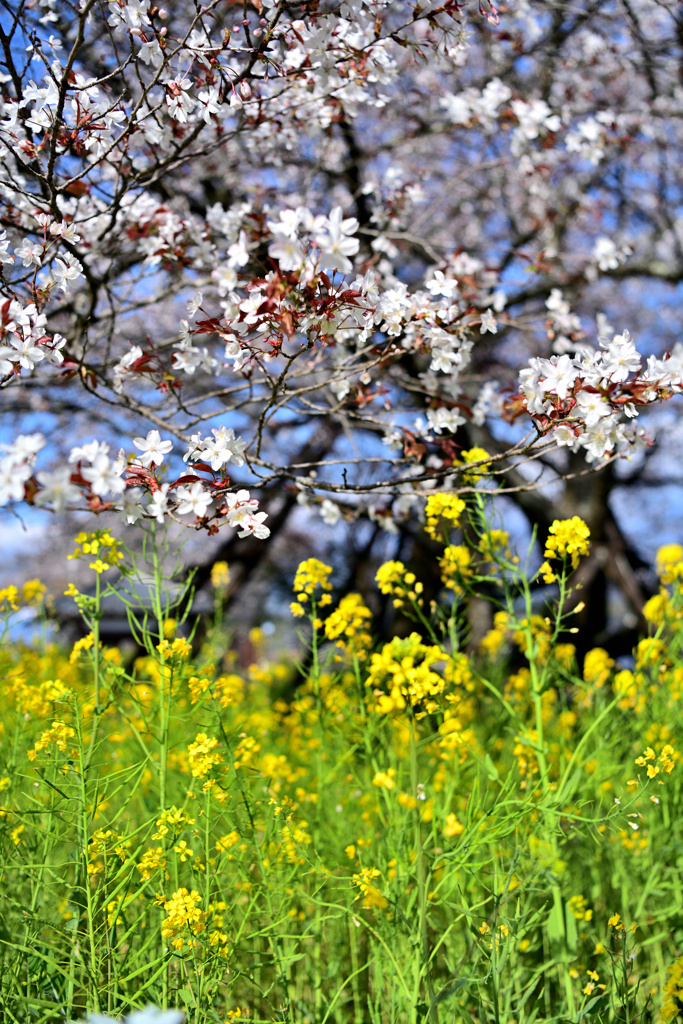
{"points": [[278, 253]]}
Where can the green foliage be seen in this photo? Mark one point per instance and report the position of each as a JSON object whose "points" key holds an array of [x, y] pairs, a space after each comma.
{"points": [[418, 831]]}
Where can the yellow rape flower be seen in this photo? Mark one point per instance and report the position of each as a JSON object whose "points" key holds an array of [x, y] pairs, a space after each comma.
{"points": [[172, 820], [103, 840], [33, 592], [453, 827], [152, 860], [540, 631], [567, 538], [84, 644], [57, 735], [597, 666], [654, 764], [179, 648], [565, 655], [348, 624], [100, 544], [494, 641], [476, 455], [384, 780], [672, 1006], [184, 917], [10, 596], [657, 609], [220, 576], [393, 578], [456, 569], [311, 574], [197, 686], [404, 668], [230, 690], [202, 755], [546, 571], [227, 841], [407, 801], [580, 909], [494, 545], [443, 507], [650, 653], [669, 563], [371, 896], [183, 850]]}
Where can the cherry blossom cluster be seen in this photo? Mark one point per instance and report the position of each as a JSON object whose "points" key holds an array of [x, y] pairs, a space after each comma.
{"points": [[581, 400], [25, 339], [216, 213], [131, 485]]}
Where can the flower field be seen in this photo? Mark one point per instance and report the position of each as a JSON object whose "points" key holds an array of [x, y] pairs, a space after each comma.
{"points": [[420, 829]]}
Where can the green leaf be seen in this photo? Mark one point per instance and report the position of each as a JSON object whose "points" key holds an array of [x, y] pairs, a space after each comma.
{"points": [[491, 769], [561, 930], [187, 997], [588, 1008]]}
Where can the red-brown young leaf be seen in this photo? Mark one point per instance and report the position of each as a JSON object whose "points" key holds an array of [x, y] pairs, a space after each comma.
{"points": [[448, 446], [515, 406], [188, 478], [140, 363], [287, 324], [30, 490], [210, 326], [413, 447], [140, 475], [349, 295]]}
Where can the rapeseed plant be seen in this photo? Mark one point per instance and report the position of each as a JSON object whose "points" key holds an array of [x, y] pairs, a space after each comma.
{"points": [[418, 831]]}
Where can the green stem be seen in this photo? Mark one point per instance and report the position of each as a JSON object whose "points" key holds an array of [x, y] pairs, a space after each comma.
{"points": [[97, 709], [83, 829], [537, 684], [421, 884]]}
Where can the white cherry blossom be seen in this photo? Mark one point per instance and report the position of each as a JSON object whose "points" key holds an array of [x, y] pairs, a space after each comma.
{"points": [[13, 476], [88, 451], [57, 489], [336, 242], [193, 500], [158, 506], [153, 448], [24, 448], [103, 476], [131, 504]]}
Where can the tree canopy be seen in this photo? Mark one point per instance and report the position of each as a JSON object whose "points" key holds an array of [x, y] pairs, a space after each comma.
{"points": [[339, 254]]}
